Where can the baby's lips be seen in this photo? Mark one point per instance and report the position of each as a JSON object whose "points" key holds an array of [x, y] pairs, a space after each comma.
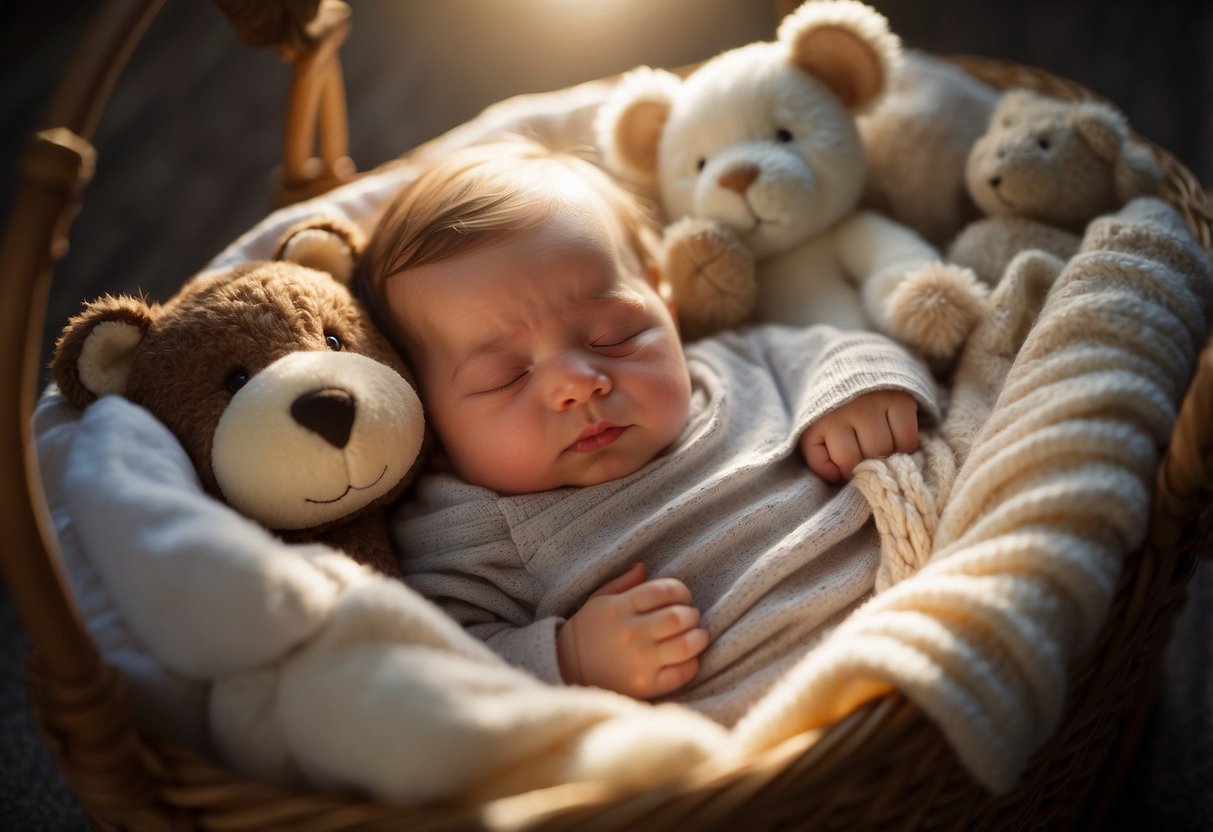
{"points": [[596, 436]]}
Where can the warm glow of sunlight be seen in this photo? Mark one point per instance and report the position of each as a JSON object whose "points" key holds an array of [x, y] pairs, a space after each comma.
{"points": [[597, 12]]}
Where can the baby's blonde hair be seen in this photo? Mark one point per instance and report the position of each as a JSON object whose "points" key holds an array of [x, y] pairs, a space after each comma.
{"points": [[470, 196]]}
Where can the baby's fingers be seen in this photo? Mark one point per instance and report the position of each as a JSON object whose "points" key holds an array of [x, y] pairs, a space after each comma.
{"points": [[843, 448], [658, 593], [668, 622], [818, 458], [672, 677], [680, 648], [903, 422]]}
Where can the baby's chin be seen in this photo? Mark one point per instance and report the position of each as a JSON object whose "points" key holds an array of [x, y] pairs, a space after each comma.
{"points": [[611, 467], [597, 473]]}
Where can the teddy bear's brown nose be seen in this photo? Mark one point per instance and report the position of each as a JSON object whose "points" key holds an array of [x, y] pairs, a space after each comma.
{"points": [[738, 177], [328, 412]]}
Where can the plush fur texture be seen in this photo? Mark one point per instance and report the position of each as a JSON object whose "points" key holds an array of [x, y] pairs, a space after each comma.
{"points": [[1041, 171], [933, 106], [290, 404], [761, 142]]}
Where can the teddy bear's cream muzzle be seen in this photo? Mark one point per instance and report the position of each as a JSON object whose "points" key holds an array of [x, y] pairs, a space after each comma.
{"points": [[315, 437]]}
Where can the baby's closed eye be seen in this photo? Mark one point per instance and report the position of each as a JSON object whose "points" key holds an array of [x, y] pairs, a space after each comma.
{"points": [[618, 343]]}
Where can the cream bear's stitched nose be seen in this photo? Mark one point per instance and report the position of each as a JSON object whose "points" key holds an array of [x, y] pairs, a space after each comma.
{"points": [[738, 177]]}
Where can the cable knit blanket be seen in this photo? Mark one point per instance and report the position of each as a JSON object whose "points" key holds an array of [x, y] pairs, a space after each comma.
{"points": [[1060, 439]]}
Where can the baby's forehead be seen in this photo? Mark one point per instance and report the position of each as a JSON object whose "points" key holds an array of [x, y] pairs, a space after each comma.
{"points": [[597, 199]]}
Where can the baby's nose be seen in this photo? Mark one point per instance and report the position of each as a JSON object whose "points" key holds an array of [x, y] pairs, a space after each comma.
{"points": [[578, 382]]}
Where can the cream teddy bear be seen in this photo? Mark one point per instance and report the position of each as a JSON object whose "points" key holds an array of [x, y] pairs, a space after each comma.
{"points": [[1042, 170], [759, 164]]}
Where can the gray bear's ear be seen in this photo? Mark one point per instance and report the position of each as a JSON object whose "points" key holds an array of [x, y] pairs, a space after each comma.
{"points": [[1135, 171], [1103, 129], [327, 244], [96, 350], [1010, 103], [631, 120]]}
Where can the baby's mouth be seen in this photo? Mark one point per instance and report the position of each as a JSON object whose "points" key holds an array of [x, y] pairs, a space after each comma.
{"points": [[595, 437]]}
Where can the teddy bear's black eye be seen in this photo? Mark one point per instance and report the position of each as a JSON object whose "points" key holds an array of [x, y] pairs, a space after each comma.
{"points": [[1043, 142], [783, 134], [236, 379], [701, 164], [332, 342]]}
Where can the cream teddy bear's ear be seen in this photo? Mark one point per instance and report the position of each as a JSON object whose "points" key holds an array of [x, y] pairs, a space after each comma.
{"points": [[845, 44], [631, 120], [96, 350], [324, 243], [1135, 172]]}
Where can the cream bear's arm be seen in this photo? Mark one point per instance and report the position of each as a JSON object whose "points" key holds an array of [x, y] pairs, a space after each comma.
{"points": [[877, 253], [905, 288]]}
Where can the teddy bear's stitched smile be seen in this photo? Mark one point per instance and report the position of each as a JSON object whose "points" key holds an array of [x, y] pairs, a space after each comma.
{"points": [[348, 488]]}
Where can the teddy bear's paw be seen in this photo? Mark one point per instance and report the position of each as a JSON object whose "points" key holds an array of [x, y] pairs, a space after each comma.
{"points": [[936, 307], [711, 274]]}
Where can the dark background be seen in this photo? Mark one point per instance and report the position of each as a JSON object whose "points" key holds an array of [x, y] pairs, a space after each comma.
{"points": [[193, 129]]}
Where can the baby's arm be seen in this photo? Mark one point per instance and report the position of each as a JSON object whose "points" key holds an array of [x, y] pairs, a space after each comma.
{"points": [[634, 636], [872, 425]]}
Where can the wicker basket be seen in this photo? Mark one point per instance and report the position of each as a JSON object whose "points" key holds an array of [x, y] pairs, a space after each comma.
{"points": [[883, 766]]}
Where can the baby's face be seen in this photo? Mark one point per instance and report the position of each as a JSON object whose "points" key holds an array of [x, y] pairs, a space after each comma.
{"points": [[546, 359]]}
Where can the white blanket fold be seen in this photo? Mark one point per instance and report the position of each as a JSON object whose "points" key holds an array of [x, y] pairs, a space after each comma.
{"points": [[313, 669]]}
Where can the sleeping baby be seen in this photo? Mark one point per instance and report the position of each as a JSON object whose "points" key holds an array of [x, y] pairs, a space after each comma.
{"points": [[605, 507]]}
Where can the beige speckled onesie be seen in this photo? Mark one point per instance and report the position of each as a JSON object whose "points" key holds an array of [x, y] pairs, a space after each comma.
{"points": [[773, 556]]}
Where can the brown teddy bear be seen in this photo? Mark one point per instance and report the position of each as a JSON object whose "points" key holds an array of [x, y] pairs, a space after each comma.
{"points": [[292, 407], [1042, 170]]}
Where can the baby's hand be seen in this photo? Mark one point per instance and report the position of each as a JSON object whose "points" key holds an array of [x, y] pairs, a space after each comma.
{"points": [[633, 636], [873, 425]]}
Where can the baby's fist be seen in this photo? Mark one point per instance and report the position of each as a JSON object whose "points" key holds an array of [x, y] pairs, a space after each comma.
{"points": [[873, 425]]}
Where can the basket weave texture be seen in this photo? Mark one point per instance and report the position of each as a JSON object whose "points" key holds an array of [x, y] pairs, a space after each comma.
{"points": [[882, 766]]}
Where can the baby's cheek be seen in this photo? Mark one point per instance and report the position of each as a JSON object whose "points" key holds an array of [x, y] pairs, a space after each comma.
{"points": [[672, 398], [506, 457]]}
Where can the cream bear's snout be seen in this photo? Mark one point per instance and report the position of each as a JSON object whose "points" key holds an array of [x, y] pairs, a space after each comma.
{"points": [[314, 437]]}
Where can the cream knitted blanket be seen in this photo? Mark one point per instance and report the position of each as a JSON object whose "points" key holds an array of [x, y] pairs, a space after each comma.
{"points": [[1022, 561]]}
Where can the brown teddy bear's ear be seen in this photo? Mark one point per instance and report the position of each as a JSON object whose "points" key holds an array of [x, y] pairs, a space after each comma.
{"points": [[1135, 172], [96, 349], [845, 44], [328, 244], [631, 120]]}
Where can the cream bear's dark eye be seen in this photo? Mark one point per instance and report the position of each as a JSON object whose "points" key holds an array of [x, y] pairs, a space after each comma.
{"points": [[783, 134], [701, 164], [1043, 142], [236, 379], [332, 342]]}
